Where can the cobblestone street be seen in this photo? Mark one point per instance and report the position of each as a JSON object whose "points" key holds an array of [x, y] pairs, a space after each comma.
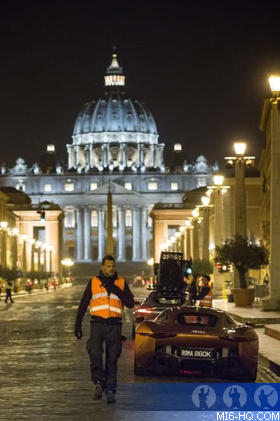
{"points": [[44, 370]]}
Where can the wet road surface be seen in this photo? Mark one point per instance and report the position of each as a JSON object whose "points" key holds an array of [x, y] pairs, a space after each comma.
{"points": [[44, 369]]}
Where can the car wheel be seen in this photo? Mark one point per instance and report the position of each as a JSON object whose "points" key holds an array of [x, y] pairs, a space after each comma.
{"points": [[133, 331], [139, 371]]}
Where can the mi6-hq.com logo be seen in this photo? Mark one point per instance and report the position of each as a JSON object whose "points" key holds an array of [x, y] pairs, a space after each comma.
{"points": [[235, 397]]}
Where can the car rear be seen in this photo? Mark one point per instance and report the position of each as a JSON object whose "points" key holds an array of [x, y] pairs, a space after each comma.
{"points": [[198, 344]]}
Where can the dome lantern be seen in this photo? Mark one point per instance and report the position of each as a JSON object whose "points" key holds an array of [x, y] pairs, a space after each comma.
{"points": [[114, 75]]}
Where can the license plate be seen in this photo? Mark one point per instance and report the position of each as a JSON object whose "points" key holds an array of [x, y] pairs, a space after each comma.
{"points": [[197, 353]]}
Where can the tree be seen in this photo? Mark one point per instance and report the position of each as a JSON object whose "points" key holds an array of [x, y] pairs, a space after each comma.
{"points": [[244, 253], [202, 267]]}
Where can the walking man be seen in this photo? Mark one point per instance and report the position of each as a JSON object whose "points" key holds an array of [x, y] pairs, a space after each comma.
{"points": [[9, 286], [106, 295]]}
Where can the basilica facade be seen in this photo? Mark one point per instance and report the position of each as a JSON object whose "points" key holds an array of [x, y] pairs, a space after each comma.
{"points": [[115, 146]]}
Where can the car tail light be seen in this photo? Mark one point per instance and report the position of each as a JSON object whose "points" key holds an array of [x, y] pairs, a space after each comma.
{"points": [[237, 339], [144, 310], [158, 335], [163, 335]]}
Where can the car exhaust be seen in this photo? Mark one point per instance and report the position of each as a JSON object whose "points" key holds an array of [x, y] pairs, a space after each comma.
{"points": [[161, 364]]}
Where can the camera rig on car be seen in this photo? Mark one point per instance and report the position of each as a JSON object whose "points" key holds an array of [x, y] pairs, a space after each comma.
{"points": [[170, 274]]}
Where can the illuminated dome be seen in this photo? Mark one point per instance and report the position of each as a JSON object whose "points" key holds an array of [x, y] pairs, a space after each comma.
{"points": [[115, 131], [115, 116]]}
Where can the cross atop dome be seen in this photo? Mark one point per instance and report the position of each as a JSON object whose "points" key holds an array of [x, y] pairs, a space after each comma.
{"points": [[114, 75]]}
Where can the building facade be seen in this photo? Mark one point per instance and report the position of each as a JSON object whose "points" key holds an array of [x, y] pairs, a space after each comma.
{"points": [[115, 144]]}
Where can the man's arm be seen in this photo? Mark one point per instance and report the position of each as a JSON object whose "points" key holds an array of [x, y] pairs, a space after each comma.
{"points": [[202, 293], [83, 305], [125, 296]]}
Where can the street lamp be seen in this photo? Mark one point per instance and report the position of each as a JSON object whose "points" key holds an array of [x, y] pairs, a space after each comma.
{"points": [[196, 219], [217, 191], [240, 162], [67, 263], [270, 124], [189, 227], [206, 210]]}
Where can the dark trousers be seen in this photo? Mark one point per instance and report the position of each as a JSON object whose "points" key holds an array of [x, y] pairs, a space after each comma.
{"points": [[8, 295], [110, 335]]}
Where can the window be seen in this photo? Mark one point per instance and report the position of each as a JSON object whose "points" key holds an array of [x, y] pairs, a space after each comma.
{"points": [[194, 319], [201, 182], [174, 186], [128, 186], [39, 234], [69, 187], [47, 187], [20, 185], [152, 185], [69, 221], [94, 219], [128, 218], [93, 186]]}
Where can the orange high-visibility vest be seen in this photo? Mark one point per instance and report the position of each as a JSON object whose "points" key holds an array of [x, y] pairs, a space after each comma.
{"points": [[207, 300], [102, 304]]}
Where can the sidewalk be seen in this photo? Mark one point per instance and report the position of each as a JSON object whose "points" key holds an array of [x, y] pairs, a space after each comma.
{"points": [[268, 346], [24, 293]]}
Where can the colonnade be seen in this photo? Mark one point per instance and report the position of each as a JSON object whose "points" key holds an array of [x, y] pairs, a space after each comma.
{"points": [[87, 154], [139, 233]]}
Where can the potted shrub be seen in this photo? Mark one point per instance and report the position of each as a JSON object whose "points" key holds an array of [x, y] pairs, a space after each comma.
{"points": [[245, 254]]}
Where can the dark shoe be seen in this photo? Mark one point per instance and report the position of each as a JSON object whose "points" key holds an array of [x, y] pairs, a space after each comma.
{"points": [[97, 394], [110, 397]]}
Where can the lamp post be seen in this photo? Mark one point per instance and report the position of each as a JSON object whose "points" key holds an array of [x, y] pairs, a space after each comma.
{"points": [[196, 220], [271, 126], [205, 241], [217, 191], [240, 162], [189, 227], [182, 240]]}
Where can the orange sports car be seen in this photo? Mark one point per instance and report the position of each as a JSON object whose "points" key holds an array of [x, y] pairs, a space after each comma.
{"points": [[196, 340]]}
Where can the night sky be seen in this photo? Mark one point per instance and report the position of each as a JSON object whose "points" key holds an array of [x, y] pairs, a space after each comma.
{"points": [[201, 67]]}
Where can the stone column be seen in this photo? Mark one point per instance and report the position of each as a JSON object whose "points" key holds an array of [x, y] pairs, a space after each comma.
{"points": [[188, 244], [140, 153], [79, 234], [50, 260], [101, 234], [195, 241], [182, 244], [3, 249], [76, 155], [240, 198], [70, 156], [45, 260], [32, 257], [87, 233], [24, 257], [273, 301], [90, 155], [218, 239], [144, 234], [123, 148], [105, 154], [136, 234], [153, 155], [121, 235], [205, 241]]}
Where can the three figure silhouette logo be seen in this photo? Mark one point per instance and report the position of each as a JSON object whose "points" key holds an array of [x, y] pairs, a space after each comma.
{"points": [[235, 397], [204, 397], [266, 397]]}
